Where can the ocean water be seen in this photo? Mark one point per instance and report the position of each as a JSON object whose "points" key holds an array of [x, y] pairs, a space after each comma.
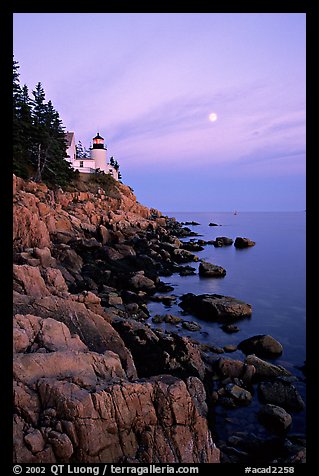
{"points": [[271, 276]]}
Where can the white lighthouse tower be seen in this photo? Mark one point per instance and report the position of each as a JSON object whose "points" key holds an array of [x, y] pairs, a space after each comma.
{"points": [[98, 153]]}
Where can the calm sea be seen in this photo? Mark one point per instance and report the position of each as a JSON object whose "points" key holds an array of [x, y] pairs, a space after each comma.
{"points": [[270, 276]]}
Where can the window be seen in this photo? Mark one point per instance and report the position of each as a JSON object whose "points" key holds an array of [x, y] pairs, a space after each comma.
{"points": [[81, 163]]}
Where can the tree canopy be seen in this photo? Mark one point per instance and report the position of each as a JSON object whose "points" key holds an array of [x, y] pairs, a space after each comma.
{"points": [[39, 142]]}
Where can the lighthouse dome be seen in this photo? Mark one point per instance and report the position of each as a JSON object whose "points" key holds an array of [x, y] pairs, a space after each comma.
{"points": [[98, 136]]}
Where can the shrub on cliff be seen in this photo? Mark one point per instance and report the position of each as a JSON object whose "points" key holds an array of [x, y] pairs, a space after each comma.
{"points": [[107, 182], [93, 182]]}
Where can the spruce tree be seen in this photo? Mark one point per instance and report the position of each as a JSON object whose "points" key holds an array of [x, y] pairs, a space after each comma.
{"points": [[22, 126], [49, 150], [81, 151], [39, 141]]}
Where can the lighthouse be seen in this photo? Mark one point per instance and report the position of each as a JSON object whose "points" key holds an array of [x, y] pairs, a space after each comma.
{"points": [[98, 153]]}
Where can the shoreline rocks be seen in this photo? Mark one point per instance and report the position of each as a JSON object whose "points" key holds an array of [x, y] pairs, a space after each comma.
{"points": [[281, 393], [94, 382], [215, 307], [209, 270], [222, 241], [243, 242], [266, 370], [262, 345], [275, 418]]}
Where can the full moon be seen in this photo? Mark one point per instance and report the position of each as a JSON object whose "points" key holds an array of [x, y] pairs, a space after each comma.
{"points": [[212, 117]]}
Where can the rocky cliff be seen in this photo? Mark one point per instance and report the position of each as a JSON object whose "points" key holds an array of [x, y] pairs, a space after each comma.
{"points": [[92, 381]]}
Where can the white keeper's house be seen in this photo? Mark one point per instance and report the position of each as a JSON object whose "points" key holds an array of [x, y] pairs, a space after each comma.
{"points": [[97, 159]]}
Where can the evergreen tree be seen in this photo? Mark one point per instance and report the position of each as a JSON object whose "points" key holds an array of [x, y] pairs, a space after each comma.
{"points": [[22, 126], [42, 139], [114, 163], [39, 141], [16, 89], [49, 148], [81, 151]]}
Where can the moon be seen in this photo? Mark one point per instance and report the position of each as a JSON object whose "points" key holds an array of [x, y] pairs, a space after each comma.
{"points": [[212, 117]]}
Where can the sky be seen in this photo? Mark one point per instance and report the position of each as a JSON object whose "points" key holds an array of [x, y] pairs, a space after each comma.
{"points": [[148, 82]]}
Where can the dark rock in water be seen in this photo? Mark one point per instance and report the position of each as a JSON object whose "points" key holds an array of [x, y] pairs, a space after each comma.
{"points": [[229, 368], [261, 345], [209, 270], [238, 394], [230, 328], [274, 418], [281, 393], [215, 307], [192, 246], [215, 349], [183, 232], [193, 223], [243, 242], [191, 326], [164, 288], [230, 348], [187, 271], [158, 319], [165, 299], [183, 256], [222, 241], [266, 370], [168, 318], [213, 224]]}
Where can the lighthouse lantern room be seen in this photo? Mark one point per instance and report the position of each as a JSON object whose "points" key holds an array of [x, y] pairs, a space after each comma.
{"points": [[98, 142], [98, 153]]}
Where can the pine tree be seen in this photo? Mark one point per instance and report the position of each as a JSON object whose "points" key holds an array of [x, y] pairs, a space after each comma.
{"points": [[22, 126], [114, 163], [39, 142], [81, 151], [42, 137], [50, 143]]}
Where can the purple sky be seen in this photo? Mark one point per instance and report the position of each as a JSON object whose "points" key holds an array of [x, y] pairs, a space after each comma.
{"points": [[148, 83]]}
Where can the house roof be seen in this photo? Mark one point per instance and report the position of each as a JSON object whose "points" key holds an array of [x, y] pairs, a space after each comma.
{"points": [[69, 137]]}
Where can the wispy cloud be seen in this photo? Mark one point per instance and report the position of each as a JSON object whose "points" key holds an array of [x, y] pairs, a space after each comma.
{"points": [[181, 113]]}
